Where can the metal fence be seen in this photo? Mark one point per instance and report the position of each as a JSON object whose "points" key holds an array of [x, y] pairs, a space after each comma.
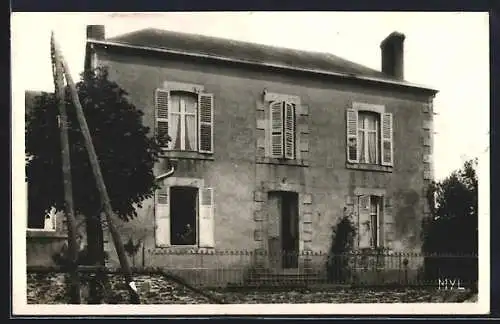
{"points": [[308, 269]]}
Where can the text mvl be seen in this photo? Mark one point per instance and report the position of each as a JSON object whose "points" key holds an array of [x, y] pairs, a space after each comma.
{"points": [[448, 284]]}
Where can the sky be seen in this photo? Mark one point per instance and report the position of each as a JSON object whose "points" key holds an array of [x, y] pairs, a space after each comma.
{"points": [[445, 51]]}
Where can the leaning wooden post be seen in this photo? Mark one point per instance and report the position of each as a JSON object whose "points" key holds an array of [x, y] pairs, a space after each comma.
{"points": [[94, 162], [66, 169]]}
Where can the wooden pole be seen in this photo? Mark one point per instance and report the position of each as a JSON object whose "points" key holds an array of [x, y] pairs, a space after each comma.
{"points": [[66, 169], [101, 186]]}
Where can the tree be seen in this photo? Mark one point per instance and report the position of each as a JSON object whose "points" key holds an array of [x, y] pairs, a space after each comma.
{"points": [[126, 151], [452, 227]]}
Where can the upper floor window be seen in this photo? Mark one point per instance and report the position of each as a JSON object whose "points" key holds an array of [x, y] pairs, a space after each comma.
{"points": [[369, 137], [187, 118], [183, 127], [282, 129], [282, 119]]}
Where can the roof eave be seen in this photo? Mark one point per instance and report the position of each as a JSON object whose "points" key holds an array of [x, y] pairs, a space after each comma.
{"points": [[433, 92]]}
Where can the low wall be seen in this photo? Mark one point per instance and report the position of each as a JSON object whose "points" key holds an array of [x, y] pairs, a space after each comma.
{"points": [[204, 268], [42, 245], [369, 268]]}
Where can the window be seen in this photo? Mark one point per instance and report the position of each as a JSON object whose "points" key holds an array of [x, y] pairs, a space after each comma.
{"points": [[369, 221], [369, 137], [374, 219], [183, 114], [282, 130], [184, 216], [187, 118], [183, 211]]}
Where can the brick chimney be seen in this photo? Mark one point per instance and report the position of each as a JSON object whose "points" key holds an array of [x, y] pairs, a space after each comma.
{"points": [[393, 55], [96, 32]]}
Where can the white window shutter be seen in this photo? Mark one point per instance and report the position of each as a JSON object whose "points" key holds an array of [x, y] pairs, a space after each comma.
{"points": [[387, 146], [364, 229], [162, 100], [352, 136], [206, 218], [206, 122], [289, 138], [276, 120], [162, 217]]}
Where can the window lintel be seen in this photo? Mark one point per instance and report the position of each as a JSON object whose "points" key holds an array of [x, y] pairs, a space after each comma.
{"points": [[369, 192], [184, 182], [181, 86], [361, 106], [273, 96]]}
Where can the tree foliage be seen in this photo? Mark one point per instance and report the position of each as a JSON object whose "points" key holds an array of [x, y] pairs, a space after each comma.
{"points": [[125, 149], [453, 225], [450, 234]]}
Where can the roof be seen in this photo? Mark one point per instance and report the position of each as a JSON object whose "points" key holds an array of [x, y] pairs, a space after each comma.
{"points": [[250, 53]]}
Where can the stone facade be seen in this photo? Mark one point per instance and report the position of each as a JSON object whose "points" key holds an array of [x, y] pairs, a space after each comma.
{"points": [[241, 176], [241, 172]]}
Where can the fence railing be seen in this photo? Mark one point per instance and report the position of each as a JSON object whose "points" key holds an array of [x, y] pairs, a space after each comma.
{"points": [[259, 268]]}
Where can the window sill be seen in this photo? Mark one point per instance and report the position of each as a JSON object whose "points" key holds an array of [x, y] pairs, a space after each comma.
{"points": [[267, 160], [369, 167], [35, 232], [187, 155]]}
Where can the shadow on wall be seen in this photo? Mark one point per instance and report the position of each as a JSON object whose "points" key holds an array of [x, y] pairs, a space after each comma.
{"points": [[407, 220]]}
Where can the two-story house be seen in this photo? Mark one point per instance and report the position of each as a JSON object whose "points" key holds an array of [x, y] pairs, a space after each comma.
{"points": [[273, 145]]}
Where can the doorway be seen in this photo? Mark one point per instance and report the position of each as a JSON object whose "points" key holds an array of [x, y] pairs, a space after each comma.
{"points": [[283, 230]]}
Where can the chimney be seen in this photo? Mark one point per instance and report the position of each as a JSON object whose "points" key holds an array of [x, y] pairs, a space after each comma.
{"points": [[96, 32], [393, 55]]}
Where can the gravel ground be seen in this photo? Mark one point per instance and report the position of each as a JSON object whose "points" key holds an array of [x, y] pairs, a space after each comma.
{"points": [[356, 295], [154, 289], [157, 289]]}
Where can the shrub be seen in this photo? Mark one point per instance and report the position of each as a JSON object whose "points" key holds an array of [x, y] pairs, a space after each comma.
{"points": [[338, 267]]}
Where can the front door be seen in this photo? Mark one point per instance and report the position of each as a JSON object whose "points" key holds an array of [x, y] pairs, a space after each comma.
{"points": [[283, 230]]}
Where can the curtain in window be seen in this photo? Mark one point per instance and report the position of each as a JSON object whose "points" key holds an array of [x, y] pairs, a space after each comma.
{"points": [[175, 131], [372, 147], [371, 127], [368, 138], [183, 121], [190, 109], [190, 133], [175, 122], [361, 146]]}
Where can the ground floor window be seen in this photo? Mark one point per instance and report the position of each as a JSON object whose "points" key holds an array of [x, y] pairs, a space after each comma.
{"points": [[370, 218], [375, 221], [183, 215]]}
